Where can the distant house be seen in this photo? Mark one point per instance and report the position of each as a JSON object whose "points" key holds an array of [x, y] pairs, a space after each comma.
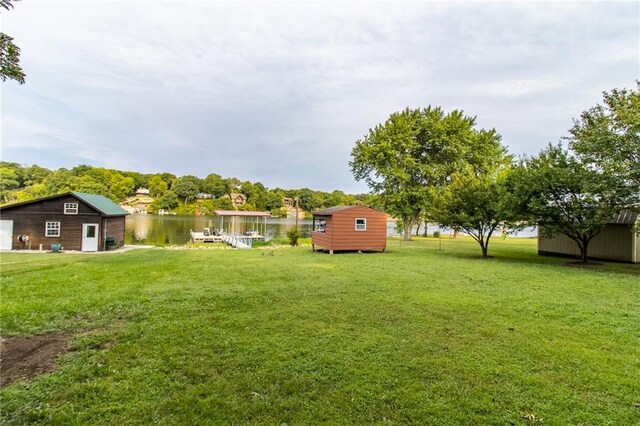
{"points": [[617, 241], [349, 228], [143, 192], [75, 220], [288, 202], [238, 199], [203, 196]]}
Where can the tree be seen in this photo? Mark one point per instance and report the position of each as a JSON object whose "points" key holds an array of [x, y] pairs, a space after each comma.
{"points": [[562, 196], [9, 54], [8, 181], [185, 189], [121, 186], [410, 157], [167, 201], [35, 174], [157, 186], [606, 138], [477, 204], [215, 185]]}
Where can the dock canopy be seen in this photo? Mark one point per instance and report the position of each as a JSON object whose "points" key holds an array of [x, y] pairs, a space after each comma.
{"points": [[240, 222], [241, 213]]}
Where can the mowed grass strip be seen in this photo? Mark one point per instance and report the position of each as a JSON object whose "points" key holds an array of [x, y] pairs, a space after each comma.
{"points": [[416, 335]]}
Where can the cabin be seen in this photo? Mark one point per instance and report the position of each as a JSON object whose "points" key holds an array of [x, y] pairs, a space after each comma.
{"points": [[617, 241], [346, 228], [143, 192], [238, 199], [74, 221]]}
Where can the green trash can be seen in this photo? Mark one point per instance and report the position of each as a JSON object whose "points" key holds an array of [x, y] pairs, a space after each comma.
{"points": [[109, 243]]}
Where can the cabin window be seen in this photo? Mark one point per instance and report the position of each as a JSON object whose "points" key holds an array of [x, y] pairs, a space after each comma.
{"points": [[320, 225], [361, 224], [52, 229], [70, 208]]}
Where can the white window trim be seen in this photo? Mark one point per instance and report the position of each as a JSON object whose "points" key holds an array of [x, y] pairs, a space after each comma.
{"points": [[47, 229], [365, 224], [70, 209]]}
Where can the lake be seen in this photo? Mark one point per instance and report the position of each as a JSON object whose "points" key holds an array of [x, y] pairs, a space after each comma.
{"points": [[174, 230]]}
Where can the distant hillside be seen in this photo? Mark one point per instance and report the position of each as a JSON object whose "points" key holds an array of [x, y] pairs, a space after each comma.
{"points": [[185, 194]]}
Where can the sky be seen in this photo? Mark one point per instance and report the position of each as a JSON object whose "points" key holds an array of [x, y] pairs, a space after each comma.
{"points": [[280, 92]]}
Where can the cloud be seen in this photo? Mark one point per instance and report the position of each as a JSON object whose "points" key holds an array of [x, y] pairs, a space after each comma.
{"points": [[279, 92]]}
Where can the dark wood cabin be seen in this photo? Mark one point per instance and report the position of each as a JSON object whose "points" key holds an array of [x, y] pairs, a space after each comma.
{"points": [[349, 228], [617, 241], [75, 221]]}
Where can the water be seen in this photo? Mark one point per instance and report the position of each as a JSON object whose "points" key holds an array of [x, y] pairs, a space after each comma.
{"points": [[175, 230]]}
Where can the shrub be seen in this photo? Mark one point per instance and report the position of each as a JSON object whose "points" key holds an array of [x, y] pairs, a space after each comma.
{"points": [[293, 234], [436, 234]]}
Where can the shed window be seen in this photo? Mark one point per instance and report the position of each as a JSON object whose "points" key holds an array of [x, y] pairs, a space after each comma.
{"points": [[320, 225], [52, 229], [361, 224], [70, 208]]}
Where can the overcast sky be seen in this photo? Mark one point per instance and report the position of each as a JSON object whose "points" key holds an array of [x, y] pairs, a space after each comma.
{"points": [[280, 92]]}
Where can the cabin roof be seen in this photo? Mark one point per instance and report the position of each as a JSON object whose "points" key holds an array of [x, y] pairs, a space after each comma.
{"points": [[242, 213], [97, 202]]}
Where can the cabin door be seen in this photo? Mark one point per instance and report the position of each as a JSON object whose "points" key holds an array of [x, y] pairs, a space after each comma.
{"points": [[90, 237], [6, 234]]}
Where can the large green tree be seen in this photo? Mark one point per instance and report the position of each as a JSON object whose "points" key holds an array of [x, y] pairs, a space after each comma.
{"points": [[185, 188], [606, 138], [408, 159]]}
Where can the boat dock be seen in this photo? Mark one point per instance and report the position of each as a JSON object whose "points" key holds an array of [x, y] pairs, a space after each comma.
{"points": [[234, 240]]}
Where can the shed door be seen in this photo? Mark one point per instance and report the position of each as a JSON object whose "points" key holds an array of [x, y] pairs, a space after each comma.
{"points": [[90, 237], [6, 234]]}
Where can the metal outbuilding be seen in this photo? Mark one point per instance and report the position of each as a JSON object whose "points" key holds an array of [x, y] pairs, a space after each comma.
{"points": [[617, 241]]}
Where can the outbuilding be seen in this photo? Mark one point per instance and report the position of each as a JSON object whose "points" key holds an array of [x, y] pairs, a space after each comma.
{"points": [[349, 228], [73, 221], [617, 241]]}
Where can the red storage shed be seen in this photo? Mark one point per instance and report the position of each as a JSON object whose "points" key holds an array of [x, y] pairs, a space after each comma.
{"points": [[349, 228]]}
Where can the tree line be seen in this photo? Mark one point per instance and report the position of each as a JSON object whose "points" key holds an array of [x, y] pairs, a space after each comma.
{"points": [[430, 165], [23, 183]]}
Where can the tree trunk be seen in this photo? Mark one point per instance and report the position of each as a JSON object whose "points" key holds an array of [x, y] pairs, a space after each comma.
{"points": [[485, 248], [407, 230], [418, 229], [426, 229], [584, 251]]}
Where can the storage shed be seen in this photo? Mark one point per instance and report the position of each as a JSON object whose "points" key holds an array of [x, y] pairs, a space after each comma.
{"points": [[349, 228], [617, 241], [74, 220]]}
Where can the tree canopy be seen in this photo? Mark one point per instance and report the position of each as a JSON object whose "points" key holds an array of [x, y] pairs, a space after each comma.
{"points": [[563, 196], [606, 138], [9, 54], [408, 159]]}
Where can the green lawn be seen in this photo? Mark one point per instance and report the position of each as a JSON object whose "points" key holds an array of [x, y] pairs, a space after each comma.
{"points": [[286, 336]]}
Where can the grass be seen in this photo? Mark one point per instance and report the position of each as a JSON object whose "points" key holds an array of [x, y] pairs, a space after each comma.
{"points": [[416, 335]]}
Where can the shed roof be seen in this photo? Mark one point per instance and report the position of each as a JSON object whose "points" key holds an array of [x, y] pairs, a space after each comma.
{"points": [[98, 202], [331, 210], [625, 217], [242, 213], [101, 203]]}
